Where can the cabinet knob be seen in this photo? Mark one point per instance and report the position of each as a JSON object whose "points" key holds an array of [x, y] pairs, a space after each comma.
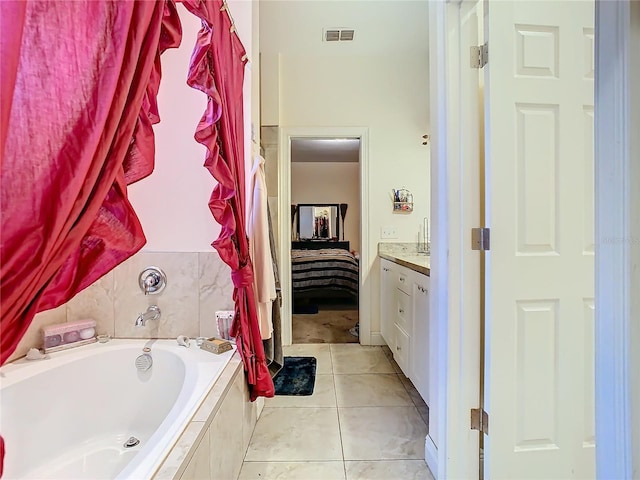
{"points": [[402, 279], [398, 348], [400, 310]]}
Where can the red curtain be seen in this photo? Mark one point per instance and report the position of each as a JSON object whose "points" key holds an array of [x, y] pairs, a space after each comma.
{"points": [[78, 88], [217, 69], [78, 85]]}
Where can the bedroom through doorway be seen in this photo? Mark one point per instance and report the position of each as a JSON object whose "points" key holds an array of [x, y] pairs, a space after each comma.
{"points": [[325, 239]]}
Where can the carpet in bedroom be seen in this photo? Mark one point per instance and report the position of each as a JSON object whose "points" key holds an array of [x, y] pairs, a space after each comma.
{"points": [[326, 326]]}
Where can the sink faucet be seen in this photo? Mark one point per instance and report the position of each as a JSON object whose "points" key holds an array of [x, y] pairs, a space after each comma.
{"points": [[424, 245], [152, 313]]}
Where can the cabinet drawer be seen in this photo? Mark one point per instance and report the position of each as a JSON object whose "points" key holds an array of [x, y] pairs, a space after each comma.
{"points": [[403, 310], [403, 282], [401, 351]]}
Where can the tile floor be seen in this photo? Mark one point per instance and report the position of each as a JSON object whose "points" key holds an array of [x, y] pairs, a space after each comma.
{"points": [[364, 421]]}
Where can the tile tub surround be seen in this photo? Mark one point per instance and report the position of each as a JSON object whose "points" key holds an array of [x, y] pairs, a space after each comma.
{"points": [[214, 443], [198, 284], [406, 254], [33, 335]]}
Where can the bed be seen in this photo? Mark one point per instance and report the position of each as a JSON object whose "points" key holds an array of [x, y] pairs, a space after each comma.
{"points": [[326, 272]]}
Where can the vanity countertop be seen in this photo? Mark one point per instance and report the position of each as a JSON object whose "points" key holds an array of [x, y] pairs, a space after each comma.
{"points": [[406, 254]]}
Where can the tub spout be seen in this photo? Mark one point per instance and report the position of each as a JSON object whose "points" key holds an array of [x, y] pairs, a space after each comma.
{"points": [[152, 313]]}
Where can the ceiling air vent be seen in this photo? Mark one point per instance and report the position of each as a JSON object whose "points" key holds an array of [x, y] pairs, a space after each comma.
{"points": [[346, 35], [332, 35], [338, 35]]}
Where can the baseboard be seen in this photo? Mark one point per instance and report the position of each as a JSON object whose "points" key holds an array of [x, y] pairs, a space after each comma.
{"points": [[431, 456], [376, 339]]}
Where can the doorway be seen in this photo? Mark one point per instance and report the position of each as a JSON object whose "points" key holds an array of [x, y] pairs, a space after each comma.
{"points": [[351, 225], [325, 241]]}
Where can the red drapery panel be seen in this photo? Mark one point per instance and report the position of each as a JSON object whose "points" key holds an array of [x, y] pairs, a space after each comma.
{"points": [[11, 24], [78, 85], [217, 69], [78, 88]]}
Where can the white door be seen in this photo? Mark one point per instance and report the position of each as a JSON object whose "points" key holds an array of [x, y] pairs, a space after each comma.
{"points": [[540, 270]]}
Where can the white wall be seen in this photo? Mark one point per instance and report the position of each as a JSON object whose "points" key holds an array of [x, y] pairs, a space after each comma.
{"points": [[270, 89], [172, 203], [330, 182], [254, 66], [387, 94]]}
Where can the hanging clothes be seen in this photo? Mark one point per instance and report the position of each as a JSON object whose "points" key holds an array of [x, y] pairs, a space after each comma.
{"points": [[273, 346], [260, 249]]}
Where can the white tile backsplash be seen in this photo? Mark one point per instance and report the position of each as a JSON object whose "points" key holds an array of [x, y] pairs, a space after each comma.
{"points": [[198, 284], [95, 302], [178, 302], [397, 247], [215, 289], [33, 336]]}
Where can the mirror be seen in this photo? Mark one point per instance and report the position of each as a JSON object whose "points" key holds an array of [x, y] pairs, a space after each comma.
{"points": [[318, 222]]}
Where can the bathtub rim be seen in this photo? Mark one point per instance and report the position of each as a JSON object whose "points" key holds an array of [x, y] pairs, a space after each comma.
{"points": [[176, 461], [21, 370]]}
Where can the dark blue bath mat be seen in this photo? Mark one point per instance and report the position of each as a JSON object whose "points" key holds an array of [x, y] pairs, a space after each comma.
{"points": [[297, 377]]}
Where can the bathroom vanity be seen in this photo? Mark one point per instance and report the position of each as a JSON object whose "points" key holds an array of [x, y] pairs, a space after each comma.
{"points": [[404, 319]]}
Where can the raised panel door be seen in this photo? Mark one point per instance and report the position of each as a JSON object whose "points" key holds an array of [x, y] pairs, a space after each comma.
{"points": [[540, 270]]}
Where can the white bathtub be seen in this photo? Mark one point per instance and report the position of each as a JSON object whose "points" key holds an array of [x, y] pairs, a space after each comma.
{"points": [[68, 417]]}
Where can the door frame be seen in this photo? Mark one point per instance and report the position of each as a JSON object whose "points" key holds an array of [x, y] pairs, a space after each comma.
{"points": [[617, 164], [284, 222], [616, 160], [457, 315]]}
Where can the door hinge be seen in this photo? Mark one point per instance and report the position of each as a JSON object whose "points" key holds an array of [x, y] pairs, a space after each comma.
{"points": [[480, 420], [481, 238], [479, 56]]}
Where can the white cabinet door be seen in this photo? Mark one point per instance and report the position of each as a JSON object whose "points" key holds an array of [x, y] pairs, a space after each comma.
{"points": [[404, 309], [421, 347], [404, 318], [433, 369], [387, 301], [402, 350]]}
